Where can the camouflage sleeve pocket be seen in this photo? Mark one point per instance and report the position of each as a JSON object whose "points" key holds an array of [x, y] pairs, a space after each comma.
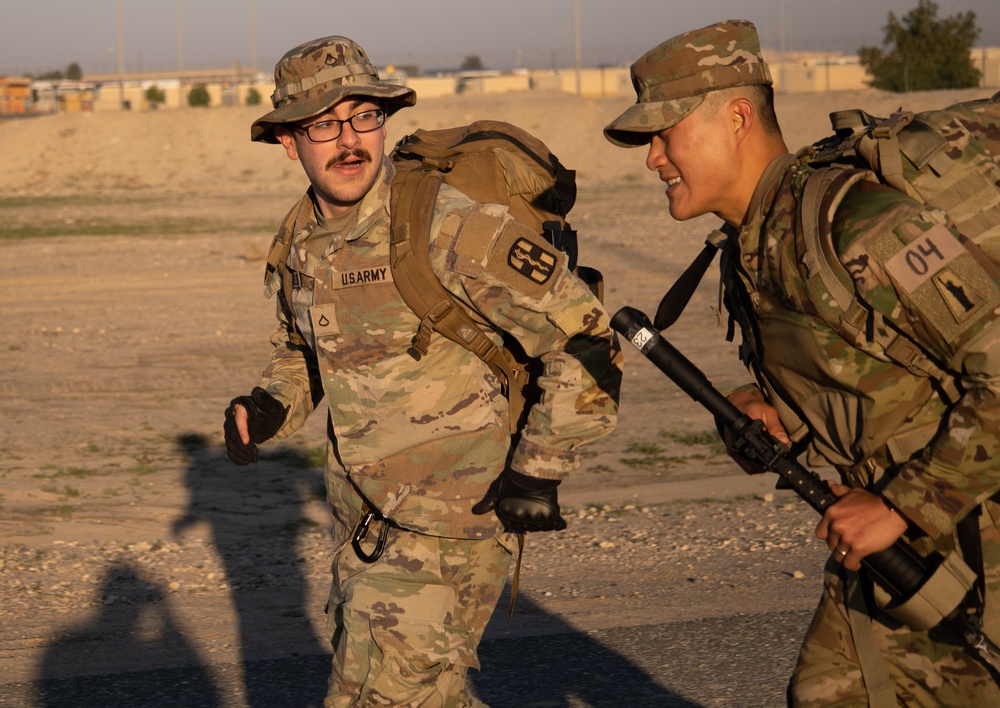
{"points": [[272, 285]]}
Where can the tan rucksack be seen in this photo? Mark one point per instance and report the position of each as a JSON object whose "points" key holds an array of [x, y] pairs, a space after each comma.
{"points": [[947, 158], [491, 162]]}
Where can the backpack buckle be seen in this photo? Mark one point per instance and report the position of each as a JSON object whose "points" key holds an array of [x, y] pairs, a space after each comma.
{"points": [[437, 163], [892, 125], [422, 339]]}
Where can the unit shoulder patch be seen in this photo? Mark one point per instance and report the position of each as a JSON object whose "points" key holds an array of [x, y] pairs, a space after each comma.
{"points": [[923, 258], [946, 281], [523, 260], [531, 260], [958, 295]]}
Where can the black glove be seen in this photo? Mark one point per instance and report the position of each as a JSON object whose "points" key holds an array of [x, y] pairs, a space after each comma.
{"points": [[265, 417], [523, 503]]}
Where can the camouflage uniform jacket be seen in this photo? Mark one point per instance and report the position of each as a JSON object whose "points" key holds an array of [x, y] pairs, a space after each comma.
{"points": [[423, 440], [859, 410]]}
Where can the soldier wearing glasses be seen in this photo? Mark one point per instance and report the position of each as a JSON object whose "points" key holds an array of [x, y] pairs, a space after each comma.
{"points": [[413, 445]]}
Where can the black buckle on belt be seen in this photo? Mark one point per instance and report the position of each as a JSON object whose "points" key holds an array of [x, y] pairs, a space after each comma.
{"points": [[362, 530]]}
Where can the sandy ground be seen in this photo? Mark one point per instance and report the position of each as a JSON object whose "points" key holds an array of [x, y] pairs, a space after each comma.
{"points": [[130, 284]]}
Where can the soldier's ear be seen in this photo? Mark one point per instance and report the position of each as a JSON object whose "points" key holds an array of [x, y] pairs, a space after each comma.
{"points": [[284, 135], [741, 115]]}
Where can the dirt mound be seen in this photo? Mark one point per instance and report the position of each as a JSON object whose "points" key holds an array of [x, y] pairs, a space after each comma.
{"points": [[200, 151]]}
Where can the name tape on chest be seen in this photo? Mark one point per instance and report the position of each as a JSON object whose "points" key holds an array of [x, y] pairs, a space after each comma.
{"points": [[364, 276]]}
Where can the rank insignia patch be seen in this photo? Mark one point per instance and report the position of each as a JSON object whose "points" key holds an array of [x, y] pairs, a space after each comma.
{"points": [[531, 261]]}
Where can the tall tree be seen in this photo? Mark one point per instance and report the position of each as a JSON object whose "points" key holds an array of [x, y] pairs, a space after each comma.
{"points": [[924, 53], [472, 63], [198, 96]]}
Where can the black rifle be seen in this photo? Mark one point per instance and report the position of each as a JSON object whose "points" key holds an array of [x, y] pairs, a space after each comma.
{"points": [[899, 569]]}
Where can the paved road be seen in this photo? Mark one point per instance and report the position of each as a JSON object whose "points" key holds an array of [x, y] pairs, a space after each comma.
{"points": [[689, 602], [741, 660]]}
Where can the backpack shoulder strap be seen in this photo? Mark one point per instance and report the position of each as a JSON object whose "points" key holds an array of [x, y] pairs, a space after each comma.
{"points": [[277, 260], [824, 190], [412, 201]]}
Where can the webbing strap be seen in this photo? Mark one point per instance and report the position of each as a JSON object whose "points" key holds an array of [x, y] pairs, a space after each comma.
{"points": [[878, 684], [911, 357], [297, 220], [891, 163], [890, 159], [680, 293], [516, 580], [977, 224], [823, 192], [850, 121], [970, 541], [923, 146], [325, 76]]}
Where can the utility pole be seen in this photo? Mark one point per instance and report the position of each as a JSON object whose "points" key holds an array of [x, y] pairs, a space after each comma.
{"points": [[781, 39], [180, 55], [253, 54], [253, 38], [576, 32], [121, 59]]}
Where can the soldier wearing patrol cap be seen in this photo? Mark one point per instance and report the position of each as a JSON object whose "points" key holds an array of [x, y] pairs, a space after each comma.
{"points": [[913, 459], [425, 488]]}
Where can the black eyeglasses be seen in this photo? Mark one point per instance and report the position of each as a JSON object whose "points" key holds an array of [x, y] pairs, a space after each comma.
{"points": [[326, 130]]}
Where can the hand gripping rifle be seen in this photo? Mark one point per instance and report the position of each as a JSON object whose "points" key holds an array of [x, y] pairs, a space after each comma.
{"points": [[912, 582]]}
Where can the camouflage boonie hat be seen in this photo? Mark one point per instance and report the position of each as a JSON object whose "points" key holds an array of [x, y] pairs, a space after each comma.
{"points": [[671, 80], [314, 76]]}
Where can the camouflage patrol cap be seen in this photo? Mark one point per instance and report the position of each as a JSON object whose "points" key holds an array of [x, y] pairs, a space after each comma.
{"points": [[671, 80], [316, 75]]}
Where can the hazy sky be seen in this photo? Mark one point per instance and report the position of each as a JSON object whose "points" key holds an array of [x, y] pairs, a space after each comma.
{"points": [[45, 35]]}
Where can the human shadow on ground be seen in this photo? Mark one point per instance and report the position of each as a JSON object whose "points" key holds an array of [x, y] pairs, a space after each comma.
{"points": [[254, 514], [142, 633], [560, 667]]}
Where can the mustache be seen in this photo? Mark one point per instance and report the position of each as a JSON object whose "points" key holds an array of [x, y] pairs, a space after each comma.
{"points": [[358, 152]]}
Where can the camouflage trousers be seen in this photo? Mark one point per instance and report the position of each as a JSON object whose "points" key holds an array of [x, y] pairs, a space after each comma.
{"points": [[405, 629], [922, 671]]}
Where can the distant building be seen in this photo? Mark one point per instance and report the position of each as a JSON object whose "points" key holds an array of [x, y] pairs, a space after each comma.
{"points": [[799, 72], [15, 95], [232, 86], [803, 73], [63, 96], [987, 60]]}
